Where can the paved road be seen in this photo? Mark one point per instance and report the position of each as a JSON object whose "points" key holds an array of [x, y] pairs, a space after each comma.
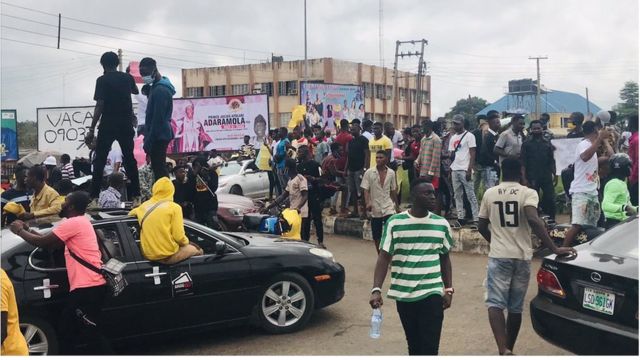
{"points": [[342, 329]]}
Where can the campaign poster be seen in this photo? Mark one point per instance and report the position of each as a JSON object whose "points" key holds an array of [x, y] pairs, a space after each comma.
{"points": [[62, 129], [221, 123], [327, 104], [9, 133], [564, 153]]}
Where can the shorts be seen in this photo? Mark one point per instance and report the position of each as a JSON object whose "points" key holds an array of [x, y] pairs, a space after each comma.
{"points": [[585, 209], [507, 283]]}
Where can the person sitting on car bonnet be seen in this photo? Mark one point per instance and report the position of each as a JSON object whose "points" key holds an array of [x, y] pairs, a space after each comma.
{"points": [[162, 236]]}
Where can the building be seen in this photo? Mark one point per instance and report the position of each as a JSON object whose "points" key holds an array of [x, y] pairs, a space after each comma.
{"points": [[281, 81], [521, 99]]}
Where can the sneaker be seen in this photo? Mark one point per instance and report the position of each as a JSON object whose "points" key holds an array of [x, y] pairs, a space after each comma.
{"points": [[321, 246]]}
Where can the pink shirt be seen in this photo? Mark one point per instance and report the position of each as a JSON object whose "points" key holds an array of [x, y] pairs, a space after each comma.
{"points": [[78, 236]]}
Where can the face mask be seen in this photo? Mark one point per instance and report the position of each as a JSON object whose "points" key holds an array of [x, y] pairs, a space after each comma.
{"points": [[148, 80]]}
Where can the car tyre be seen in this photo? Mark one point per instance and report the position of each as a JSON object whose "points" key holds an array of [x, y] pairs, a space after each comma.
{"points": [[235, 190], [40, 336], [285, 304]]}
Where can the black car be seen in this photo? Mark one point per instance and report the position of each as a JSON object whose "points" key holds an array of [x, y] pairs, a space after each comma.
{"points": [[588, 304], [240, 278]]}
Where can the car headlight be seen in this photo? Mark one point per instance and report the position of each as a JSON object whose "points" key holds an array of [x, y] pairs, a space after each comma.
{"points": [[322, 253], [235, 212]]}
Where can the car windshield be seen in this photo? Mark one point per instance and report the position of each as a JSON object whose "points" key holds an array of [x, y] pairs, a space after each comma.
{"points": [[230, 168], [217, 234], [621, 240]]}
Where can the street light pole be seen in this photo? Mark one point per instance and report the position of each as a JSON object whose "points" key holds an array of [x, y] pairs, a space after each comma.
{"points": [[306, 73]]}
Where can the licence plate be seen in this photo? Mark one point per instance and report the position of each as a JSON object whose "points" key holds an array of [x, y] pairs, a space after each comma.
{"points": [[600, 301]]}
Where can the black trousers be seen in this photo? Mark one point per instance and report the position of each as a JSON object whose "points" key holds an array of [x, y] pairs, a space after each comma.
{"points": [[422, 324], [106, 137], [633, 193], [315, 215], [79, 322], [609, 223], [377, 224], [274, 184], [548, 203], [158, 156]]}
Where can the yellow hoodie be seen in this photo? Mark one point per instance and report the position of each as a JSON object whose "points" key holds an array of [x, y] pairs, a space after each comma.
{"points": [[163, 230]]}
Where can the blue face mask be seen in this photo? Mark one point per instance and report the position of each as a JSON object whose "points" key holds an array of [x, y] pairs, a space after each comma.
{"points": [[148, 80]]}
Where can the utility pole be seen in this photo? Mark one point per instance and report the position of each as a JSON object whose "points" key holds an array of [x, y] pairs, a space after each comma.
{"points": [[420, 55], [380, 35], [419, 83], [588, 107], [306, 73], [119, 59], [537, 59], [59, 27]]}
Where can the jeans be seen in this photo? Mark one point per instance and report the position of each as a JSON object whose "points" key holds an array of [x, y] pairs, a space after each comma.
{"points": [[79, 322], [315, 215], [283, 179], [548, 203], [486, 175], [334, 199], [354, 179], [106, 137], [422, 324], [158, 156], [460, 185], [274, 183]]}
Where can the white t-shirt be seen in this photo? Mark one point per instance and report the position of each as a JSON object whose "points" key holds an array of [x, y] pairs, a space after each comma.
{"points": [[626, 135], [142, 108], [115, 156], [274, 146], [367, 134], [463, 157], [397, 140], [585, 173]]}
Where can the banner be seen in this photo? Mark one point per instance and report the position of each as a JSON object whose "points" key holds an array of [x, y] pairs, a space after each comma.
{"points": [[564, 152], [9, 133], [329, 103], [63, 129], [221, 123]]}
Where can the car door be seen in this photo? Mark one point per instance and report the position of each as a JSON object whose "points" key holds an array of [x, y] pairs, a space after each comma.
{"points": [[153, 284], [214, 287]]}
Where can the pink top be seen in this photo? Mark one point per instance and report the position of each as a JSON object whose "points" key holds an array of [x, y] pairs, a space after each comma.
{"points": [[78, 235]]}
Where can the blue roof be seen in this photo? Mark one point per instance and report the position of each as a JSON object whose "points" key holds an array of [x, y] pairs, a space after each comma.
{"points": [[553, 101]]}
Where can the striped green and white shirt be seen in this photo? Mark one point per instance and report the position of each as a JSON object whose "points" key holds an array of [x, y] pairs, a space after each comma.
{"points": [[415, 245]]}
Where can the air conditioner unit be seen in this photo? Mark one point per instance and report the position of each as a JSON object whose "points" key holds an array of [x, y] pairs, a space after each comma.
{"points": [[293, 92]]}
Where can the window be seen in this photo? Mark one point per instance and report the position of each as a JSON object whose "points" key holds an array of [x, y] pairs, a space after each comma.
{"points": [[287, 88], [424, 97], [389, 91], [368, 90], [413, 95], [403, 94], [267, 88], [282, 88], [380, 91], [217, 90], [195, 92], [239, 89], [206, 242], [284, 119]]}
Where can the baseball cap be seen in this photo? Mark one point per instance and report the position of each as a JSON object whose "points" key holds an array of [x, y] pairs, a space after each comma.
{"points": [[458, 119], [50, 160]]}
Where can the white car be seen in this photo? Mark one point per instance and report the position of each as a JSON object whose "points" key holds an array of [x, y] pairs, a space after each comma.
{"points": [[243, 178]]}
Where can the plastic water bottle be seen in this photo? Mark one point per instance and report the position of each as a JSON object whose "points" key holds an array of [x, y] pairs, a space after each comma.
{"points": [[376, 324]]}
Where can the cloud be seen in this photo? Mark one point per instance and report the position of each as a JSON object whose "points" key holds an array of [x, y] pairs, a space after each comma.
{"points": [[475, 47]]}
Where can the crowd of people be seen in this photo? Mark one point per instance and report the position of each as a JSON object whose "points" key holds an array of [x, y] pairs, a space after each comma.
{"points": [[489, 179]]}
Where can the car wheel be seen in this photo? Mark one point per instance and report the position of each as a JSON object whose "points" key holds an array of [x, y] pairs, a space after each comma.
{"points": [[286, 304], [235, 190], [40, 336]]}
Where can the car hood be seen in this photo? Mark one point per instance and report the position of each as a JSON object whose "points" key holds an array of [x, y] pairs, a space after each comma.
{"points": [[262, 240], [590, 257], [234, 201]]}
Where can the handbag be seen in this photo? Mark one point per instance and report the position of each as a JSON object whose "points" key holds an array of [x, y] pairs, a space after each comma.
{"points": [[111, 271], [453, 154]]}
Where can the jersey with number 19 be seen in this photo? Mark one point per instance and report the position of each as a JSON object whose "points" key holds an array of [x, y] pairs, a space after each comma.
{"points": [[503, 205]]}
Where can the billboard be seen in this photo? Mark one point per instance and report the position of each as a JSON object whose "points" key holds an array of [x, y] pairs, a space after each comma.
{"points": [[329, 103], [202, 124], [63, 129], [9, 133]]}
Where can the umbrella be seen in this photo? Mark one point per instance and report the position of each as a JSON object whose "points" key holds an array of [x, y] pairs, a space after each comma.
{"points": [[37, 157]]}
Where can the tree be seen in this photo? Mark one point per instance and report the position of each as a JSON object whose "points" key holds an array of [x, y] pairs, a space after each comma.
{"points": [[468, 108], [629, 97], [27, 135]]}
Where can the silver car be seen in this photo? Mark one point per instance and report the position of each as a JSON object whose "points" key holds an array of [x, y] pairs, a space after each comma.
{"points": [[243, 178]]}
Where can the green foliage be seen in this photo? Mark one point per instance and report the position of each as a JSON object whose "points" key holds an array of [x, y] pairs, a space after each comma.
{"points": [[629, 97], [27, 135], [468, 108]]}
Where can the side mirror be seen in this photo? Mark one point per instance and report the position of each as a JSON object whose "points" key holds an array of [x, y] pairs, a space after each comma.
{"points": [[221, 247]]}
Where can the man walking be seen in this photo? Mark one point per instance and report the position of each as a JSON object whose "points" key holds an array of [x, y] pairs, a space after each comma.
{"points": [[463, 148], [380, 195], [585, 207], [540, 167], [357, 156], [114, 112], [158, 131], [421, 275], [508, 213]]}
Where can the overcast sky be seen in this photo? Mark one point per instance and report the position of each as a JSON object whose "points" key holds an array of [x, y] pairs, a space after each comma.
{"points": [[475, 47]]}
